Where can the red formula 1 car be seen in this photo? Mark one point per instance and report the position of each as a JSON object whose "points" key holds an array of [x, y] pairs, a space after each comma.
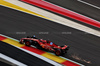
{"points": [[45, 44]]}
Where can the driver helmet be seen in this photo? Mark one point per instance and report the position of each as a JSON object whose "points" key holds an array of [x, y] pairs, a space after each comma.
{"points": [[33, 36], [51, 43]]}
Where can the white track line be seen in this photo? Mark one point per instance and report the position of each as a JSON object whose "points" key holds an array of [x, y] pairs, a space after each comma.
{"points": [[12, 60], [34, 54], [37, 54], [68, 59], [72, 11], [89, 4], [41, 57], [55, 18]]}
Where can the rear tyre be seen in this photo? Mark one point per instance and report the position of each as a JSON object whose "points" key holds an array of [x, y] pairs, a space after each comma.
{"points": [[27, 43], [58, 52]]}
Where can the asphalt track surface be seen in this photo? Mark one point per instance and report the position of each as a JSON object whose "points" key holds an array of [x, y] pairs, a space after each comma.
{"points": [[79, 7], [4, 64], [93, 2], [18, 24], [21, 56]]}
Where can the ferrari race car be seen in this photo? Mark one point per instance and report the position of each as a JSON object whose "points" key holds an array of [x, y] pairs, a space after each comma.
{"points": [[45, 44]]}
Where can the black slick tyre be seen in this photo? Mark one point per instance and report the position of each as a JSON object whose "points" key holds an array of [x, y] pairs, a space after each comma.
{"points": [[58, 52]]}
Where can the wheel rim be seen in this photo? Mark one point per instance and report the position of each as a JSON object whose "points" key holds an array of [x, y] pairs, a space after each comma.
{"points": [[58, 52], [27, 43]]}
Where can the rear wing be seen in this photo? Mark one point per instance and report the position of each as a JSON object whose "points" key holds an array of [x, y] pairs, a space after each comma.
{"points": [[65, 47]]}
